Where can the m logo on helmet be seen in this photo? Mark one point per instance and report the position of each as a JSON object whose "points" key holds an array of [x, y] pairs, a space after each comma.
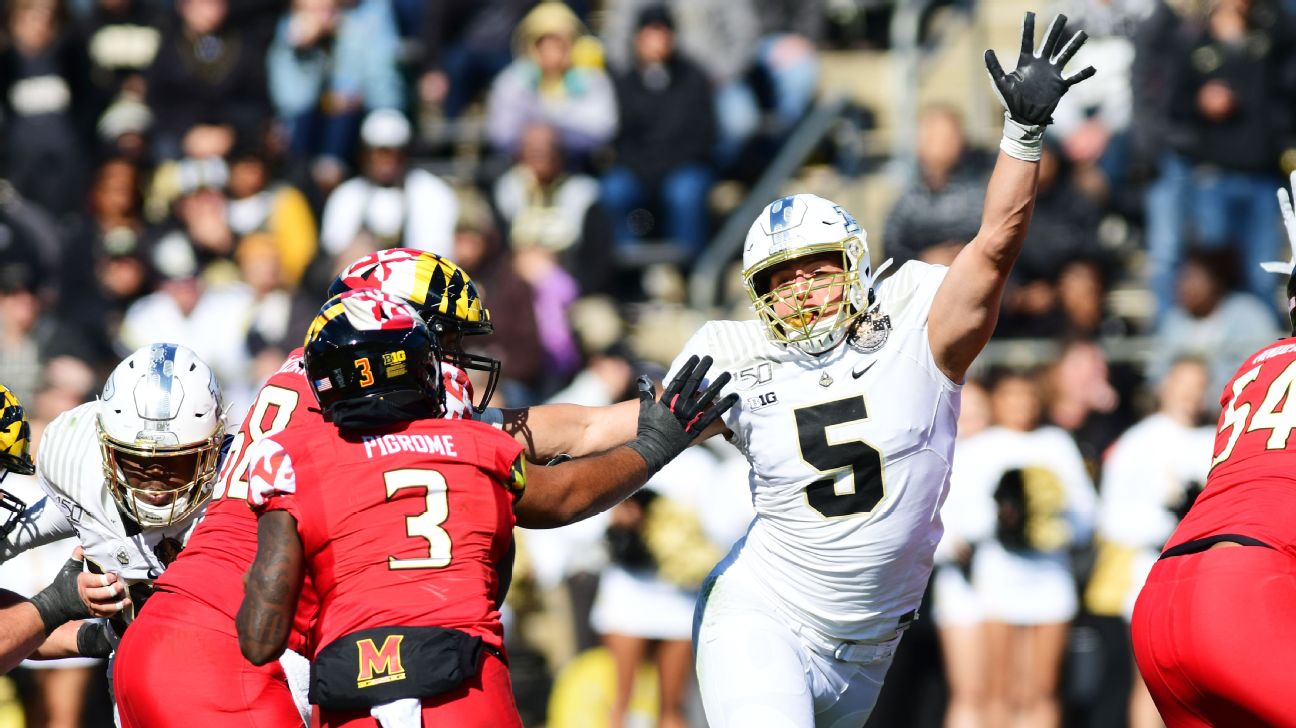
{"points": [[380, 665]]}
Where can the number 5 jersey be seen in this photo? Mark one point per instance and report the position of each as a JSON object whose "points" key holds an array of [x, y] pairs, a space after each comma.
{"points": [[850, 457]]}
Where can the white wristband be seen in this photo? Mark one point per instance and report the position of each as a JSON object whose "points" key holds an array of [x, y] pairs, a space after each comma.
{"points": [[1021, 141]]}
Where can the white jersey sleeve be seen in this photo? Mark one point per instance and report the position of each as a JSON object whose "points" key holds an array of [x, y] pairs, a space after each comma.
{"points": [[41, 523]]}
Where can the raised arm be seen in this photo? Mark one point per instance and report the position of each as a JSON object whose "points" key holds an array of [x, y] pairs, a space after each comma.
{"points": [[968, 299], [577, 489], [274, 582]]}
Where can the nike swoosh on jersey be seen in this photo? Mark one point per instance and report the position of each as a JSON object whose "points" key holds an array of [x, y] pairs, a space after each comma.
{"points": [[857, 373]]}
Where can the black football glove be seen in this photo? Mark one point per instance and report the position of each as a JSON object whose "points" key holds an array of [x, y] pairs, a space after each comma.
{"points": [[1033, 89], [60, 601], [667, 426]]}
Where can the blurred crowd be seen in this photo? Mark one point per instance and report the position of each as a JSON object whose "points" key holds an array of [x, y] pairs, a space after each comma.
{"points": [[198, 170]]}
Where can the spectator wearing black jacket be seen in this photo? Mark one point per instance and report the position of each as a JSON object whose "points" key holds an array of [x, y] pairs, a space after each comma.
{"points": [[48, 114], [665, 140], [207, 73], [465, 45], [939, 212], [1231, 88]]}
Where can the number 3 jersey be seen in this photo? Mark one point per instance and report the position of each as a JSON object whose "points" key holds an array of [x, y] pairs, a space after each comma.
{"points": [[409, 526], [1249, 490], [210, 570], [850, 459]]}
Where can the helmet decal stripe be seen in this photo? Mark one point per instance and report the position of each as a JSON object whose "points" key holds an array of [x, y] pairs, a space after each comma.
{"points": [[780, 213], [156, 405], [422, 276], [455, 291], [324, 317]]}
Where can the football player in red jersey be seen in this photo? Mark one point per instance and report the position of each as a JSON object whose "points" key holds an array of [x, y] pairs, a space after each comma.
{"points": [[1214, 628], [199, 594], [415, 608]]}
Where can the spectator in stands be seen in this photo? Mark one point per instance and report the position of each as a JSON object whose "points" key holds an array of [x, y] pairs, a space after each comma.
{"points": [[122, 37], [1094, 124], [206, 74], [1210, 321], [258, 203], [277, 314], [1082, 399], [22, 342], [516, 342], [48, 110], [1032, 478], [721, 36], [787, 63], [123, 130], [397, 205], [542, 204], [960, 619], [545, 84], [109, 238], [1231, 89], [665, 140], [1064, 225], [1082, 300], [660, 554], [330, 61], [1149, 480], [199, 214], [210, 319], [939, 212], [465, 45]]}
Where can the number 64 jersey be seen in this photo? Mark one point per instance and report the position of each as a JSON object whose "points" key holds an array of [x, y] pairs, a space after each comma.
{"points": [[850, 457]]}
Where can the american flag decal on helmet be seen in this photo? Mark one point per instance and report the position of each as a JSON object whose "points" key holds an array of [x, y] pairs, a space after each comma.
{"points": [[323, 385]]}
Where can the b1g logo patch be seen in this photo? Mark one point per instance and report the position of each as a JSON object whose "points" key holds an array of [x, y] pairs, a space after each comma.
{"points": [[870, 333], [380, 665]]}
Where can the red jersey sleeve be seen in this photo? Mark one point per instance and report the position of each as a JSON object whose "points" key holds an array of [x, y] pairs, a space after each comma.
{"points": [[272, 479]]}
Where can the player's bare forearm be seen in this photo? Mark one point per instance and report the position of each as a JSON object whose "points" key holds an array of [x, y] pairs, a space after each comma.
{"points": [[969, 297], [550, 430], [21, 630], [577, 489], [60, 644], [265, 618]]}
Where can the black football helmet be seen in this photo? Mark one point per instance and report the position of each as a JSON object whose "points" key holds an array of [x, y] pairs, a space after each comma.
{"points": [[442, 293], [372, 362]]}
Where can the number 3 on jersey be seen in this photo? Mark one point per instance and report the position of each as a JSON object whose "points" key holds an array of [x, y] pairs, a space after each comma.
{"points": [[1268, 416], [819, 450], [427, 523]]}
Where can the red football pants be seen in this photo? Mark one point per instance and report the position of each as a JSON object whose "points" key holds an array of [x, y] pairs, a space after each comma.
{"points": [[174, 669], [1215, 638], [486, 701]]}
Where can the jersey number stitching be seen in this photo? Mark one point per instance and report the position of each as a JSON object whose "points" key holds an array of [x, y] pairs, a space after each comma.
{"points": [[233, 479], [1280, 422], [820, 452], [427, 523]]}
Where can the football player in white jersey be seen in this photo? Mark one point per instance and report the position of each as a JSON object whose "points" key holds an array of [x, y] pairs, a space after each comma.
{"points": [[849, 393], [128, 474], [26, 623]]}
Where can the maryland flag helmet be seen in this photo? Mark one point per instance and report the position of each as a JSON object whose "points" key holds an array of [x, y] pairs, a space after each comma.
{"points": [[371, 361], [443, 295], [15, 436]]}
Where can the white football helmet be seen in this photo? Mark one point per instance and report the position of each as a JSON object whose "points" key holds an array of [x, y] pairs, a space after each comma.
{"points": [[797, 226], [161, 409]]}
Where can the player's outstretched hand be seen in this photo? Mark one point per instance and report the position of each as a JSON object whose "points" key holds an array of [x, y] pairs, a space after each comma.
{"points": [[1289, 224], [103, 594], [668, 425], [1033, 89], [59, 602]]}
